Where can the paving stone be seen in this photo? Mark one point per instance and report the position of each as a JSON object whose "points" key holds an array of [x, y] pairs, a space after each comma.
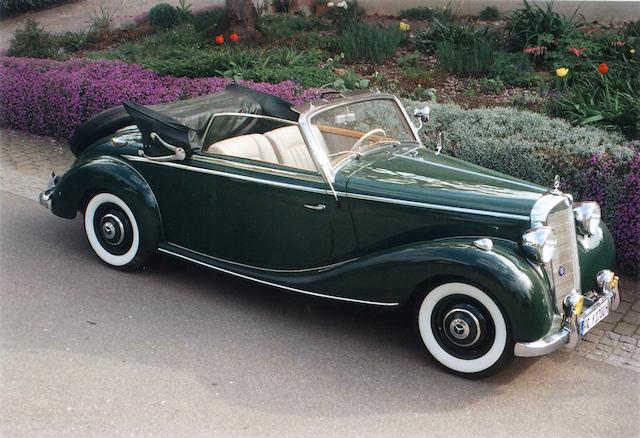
{"points": [[636, 306], [628, 340], [596, 331], [585, 347], [597, 355], [626, 347], [591, 337], [632, 317], [608, 341], [622, 353], [615, 360], [607, 326], [624, 328], [614, 317], [612, 335], [604, 347], [632, 362], [624, 307], [636, 356]]}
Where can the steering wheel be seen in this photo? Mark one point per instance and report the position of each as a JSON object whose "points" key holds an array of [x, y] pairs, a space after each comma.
{"points": [[361, 140]]}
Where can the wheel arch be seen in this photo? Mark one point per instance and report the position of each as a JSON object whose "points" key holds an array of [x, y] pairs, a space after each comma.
{"points": [[110, 175]]}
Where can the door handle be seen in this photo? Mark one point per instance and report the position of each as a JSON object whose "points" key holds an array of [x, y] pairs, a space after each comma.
{"points": [[315, 206]]}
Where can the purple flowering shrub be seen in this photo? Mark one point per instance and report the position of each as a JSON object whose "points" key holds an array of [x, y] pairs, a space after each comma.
{"points": [[52, 98]]}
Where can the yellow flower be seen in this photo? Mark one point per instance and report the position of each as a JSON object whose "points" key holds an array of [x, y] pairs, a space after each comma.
{"points": [[404, 26], [562, 72]]}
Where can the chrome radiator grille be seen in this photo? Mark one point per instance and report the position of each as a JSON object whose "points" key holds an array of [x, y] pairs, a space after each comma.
{"points": [[564, 269]]}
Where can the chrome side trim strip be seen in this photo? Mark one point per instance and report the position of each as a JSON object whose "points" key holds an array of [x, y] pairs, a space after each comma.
{"points": [[317, 269], [434, 206], [229, 175], [268, 283]]}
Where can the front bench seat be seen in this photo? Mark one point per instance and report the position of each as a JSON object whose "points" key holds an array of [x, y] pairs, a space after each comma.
{"points": [[250, 146], [290, 147]]}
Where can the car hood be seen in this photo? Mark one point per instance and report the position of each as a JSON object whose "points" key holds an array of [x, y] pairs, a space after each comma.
{"points": [[418, 175]]}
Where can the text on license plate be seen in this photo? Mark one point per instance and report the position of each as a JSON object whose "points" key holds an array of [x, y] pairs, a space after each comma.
{"points": [[594, 317]]}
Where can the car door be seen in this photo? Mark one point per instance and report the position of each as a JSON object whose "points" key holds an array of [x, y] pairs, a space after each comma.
{"points": [[259, 214]]}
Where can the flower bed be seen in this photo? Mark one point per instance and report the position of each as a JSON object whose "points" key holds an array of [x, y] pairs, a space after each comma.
{"points": [[52, 98]]}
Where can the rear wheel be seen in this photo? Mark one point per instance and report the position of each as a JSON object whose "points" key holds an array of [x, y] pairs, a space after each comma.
{"points": [[113, 232], [464, 330]]}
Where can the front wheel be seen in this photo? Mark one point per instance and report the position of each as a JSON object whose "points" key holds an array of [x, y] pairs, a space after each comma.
{"points": [[113, 232], [464, 330]]}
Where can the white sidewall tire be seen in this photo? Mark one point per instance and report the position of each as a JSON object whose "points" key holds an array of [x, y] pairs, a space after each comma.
{"points": [[106, 256], [426, 332]]}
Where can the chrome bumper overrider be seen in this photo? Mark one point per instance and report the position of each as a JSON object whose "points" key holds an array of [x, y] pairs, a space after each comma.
{"points": [[569, 334], [47, 194]]}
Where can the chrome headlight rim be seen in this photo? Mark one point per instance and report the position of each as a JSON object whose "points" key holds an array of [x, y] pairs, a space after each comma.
{"points": [[587, 215], [539, 243]]}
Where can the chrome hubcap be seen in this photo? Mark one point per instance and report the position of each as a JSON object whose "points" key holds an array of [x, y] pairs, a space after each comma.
{"points": [[462, 328], [112, 229]]}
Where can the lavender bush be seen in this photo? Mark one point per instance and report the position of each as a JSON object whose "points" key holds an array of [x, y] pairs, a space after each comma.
{"points": [[52, 98]]}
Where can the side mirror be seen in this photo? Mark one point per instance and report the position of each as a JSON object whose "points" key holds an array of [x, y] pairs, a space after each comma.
{"points": [[422, 114]]}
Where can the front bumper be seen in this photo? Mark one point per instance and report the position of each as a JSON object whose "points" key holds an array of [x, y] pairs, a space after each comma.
{"points": [[47, 194], [568, 335]]}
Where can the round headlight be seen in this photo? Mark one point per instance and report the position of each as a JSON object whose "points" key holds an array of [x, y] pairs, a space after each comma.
{"points": [[587, 216], [539, 243]]}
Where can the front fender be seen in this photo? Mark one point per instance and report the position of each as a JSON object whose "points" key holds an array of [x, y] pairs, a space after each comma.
{"points": [[111, 175], [396, 275]]}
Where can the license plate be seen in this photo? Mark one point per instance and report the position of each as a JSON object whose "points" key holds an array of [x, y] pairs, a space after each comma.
{"points": [[594, 317]]}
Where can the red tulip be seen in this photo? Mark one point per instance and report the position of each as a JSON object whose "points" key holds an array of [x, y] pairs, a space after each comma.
{"points": [[219, 39], [234, 37], [603, 68]]}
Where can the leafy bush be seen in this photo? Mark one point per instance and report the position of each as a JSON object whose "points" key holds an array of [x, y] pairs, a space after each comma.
{"points": [[535, 26], [491, 86], [32, 41], [610, 102], [52, 98], [461, 33], [489, 13], [592, 163], [211, 22], [364, 41], [163, 16], [419, 13], [287, 25], [465, 59], [19, 6], [72, 41], [344, 13], [514, 69]]}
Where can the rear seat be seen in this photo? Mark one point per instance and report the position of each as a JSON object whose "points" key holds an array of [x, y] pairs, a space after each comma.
{"points": [[280, 146], [251, 146]]}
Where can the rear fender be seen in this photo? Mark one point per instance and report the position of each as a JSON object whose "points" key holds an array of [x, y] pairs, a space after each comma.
{"points": [[111, 175]]}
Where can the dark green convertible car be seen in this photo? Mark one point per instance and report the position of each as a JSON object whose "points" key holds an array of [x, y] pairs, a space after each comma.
{"points": [[339, 199]]}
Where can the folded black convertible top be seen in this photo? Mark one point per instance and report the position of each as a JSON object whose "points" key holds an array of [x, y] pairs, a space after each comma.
{"points": [[184, 123]]}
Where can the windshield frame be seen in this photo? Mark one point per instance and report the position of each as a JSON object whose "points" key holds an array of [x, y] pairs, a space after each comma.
{"points": [[323, 161]]}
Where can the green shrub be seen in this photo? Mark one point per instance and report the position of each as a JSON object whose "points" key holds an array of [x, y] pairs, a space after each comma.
{"points": [[287, 25], [163, 16], [465, 59], [524, 144], [420, 13], [489, 13], [461, 33], [514, 69], [607, 101], [535, 26], [72, 41], [19, 6], [211, 22], [363, 41], [32, 41], [491, 86], [342, 17]]}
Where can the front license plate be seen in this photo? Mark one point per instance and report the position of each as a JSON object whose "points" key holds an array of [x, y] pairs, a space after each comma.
{"points": [[594, 317]]}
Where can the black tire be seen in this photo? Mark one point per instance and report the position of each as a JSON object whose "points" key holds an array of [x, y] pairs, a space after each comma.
{"points": [[98, 127], [464, 330]]}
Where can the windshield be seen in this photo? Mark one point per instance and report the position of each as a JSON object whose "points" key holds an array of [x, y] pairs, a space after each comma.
{"points": [[356, 127]]}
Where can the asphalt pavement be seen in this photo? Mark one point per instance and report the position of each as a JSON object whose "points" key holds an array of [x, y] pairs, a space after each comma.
{"points": [[177, 350]]}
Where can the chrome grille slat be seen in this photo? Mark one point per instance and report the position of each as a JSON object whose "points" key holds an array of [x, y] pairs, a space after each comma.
{"points": [[566, 255]]}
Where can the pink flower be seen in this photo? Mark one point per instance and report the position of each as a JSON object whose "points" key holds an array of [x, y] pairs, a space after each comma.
{"points": [[577, 51], [535, 51]]}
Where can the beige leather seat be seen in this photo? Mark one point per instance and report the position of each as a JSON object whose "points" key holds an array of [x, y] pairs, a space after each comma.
{"points": [[251, 146], [291, 148]]}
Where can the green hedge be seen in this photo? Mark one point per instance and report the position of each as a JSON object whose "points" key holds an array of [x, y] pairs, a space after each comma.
{"points": [[18, 6]]}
